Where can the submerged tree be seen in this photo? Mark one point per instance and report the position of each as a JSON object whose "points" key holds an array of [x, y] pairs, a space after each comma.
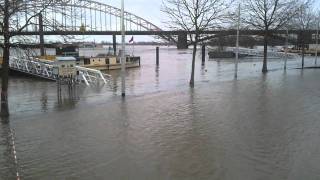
{"points": [[304, 20], [16, 16], [269, 15], [195, 16]]}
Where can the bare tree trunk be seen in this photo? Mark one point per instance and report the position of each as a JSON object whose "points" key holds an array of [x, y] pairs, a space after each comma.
{"points": [[265, 52], [5, 63], [4, 82], [193, 64]]}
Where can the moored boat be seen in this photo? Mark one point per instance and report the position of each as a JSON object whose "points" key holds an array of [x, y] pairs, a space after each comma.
{"points": [[109, 62]]}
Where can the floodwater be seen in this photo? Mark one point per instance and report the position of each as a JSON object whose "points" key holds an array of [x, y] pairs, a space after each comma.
{"points": [[256, 127]]}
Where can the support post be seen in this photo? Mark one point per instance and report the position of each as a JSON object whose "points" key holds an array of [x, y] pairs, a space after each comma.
{"points": [[317, 45], [114, 44], [42, 50], [123, 59], [157, 56], [203, 54], [182, 41], [237, 44]]}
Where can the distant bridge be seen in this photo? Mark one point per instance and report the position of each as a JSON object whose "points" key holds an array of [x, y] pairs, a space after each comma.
{"points": [[79, 17], [86, 17], [163, 32], [183, 35]]}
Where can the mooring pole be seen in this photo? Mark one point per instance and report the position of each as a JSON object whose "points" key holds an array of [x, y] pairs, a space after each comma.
{"points": [[286, 50], [203, 54], [237, 44], [157, 56], [123, 60]]}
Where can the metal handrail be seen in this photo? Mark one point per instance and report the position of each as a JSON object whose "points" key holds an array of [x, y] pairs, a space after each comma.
{"points": [[44, 69]]}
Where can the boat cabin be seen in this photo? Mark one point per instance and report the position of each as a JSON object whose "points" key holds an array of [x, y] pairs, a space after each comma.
{"points": [[110, 62]]}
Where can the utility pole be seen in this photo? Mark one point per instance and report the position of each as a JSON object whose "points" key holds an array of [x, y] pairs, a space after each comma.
{"points": [[123, 60], [237, 44]]}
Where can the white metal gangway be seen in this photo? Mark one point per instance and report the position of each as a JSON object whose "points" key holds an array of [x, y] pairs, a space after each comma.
{"points": [[45, 69], [259, 53], [92, 76]]}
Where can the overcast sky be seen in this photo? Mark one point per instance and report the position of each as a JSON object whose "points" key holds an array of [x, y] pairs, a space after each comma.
{"points": [[147, 9]]}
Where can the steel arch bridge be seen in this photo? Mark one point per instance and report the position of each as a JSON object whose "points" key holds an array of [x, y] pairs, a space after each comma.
{"points": [[79, 16]]}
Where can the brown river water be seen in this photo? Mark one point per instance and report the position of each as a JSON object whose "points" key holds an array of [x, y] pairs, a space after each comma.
{"points": [[254, 127]]}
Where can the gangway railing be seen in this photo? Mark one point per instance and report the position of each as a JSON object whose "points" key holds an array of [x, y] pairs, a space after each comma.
{"points": [[259, 53], [32, 66], [45, 69], [90, 76]]}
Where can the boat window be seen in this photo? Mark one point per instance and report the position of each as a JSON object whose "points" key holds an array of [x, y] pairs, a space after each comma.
{"points": [[86, 61]]}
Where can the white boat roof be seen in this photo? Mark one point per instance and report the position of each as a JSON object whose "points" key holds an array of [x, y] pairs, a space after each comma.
{"points": [[65, 58]]}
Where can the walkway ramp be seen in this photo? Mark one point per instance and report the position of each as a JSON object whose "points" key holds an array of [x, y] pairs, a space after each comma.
{"points": [[45, 69], [259, 53]]}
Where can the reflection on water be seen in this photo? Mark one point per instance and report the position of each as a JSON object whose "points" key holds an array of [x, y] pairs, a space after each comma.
{"points": [[255, 127], [7, 165]]}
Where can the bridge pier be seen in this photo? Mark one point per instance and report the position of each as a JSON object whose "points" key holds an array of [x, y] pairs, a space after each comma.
{"points": [[182, 41], [114, 44], [42, 50]]}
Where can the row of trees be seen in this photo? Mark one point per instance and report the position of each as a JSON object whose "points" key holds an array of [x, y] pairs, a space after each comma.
{"points": [[265, 15]]}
